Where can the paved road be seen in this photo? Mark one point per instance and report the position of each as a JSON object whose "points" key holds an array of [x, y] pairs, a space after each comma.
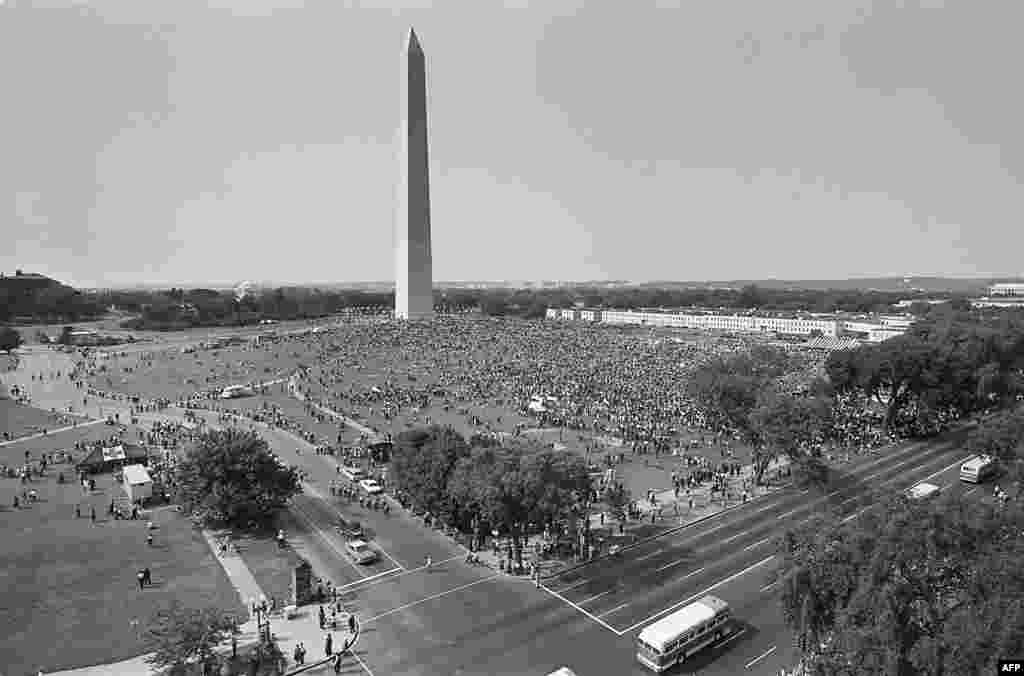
{"points": [[458, 619]]}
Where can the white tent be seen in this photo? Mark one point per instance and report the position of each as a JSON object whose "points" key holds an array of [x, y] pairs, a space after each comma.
{"points": [[564, 671], [137, 483]]}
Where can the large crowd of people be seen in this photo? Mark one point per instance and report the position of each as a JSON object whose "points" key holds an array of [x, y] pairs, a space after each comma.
{"points": [[623, 385]]}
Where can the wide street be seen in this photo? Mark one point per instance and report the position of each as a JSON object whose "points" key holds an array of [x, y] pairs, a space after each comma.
{"points": [[453, 618], [459, 619]]}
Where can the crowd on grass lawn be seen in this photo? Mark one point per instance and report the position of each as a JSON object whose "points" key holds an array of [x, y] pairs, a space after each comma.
{"points": [[619, 383]]}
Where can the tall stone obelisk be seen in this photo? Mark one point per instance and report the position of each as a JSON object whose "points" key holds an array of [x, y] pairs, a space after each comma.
{"points": [[414, 293]]}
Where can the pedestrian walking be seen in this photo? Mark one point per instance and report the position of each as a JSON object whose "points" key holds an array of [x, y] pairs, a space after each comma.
{"points": [[149, 576], [352, 624], [329, 645], [92, 515], [142, 579], [149, 539]]}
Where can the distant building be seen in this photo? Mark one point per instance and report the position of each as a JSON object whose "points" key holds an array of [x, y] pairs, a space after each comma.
{"points": [[873, 329], [1006, 290], [1010, 295]]}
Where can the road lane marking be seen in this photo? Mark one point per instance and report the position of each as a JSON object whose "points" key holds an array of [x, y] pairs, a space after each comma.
{"points": [[367, 579], [576, 584], [669, 565], [361, 662], [618, 607], [970, 491], [698, 595], [759, 542], [429, 598], [691, 573], [595, 618], [769, 585], [596, 596], [647, 556], [730, 539], [792, 511], [944, 469], [760, 657]]}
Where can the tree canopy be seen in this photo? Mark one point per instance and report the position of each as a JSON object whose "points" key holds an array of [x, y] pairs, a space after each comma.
{"points": [[179, 636], [504, 485], [231, 477], [907, 588]]}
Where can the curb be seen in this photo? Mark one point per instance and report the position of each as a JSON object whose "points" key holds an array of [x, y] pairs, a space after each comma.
{"points": [[670, 531]]}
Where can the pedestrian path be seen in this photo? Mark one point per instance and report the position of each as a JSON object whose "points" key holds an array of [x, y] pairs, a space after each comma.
{"points": [[51, 432], [237, 571]]}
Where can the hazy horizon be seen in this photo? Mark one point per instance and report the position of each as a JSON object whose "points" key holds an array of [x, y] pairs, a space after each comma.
{"points": [[154, 143]]}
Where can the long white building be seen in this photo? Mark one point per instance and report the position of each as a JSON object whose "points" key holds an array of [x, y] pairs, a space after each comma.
{"points": [[872, 330]]}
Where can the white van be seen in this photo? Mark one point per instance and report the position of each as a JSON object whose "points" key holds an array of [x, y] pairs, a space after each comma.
{"points": [[977, 469]]}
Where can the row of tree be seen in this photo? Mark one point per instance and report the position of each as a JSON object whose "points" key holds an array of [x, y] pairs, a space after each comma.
{"points": [[45, 302], [479, 485], [910, 587], [944, 367]]}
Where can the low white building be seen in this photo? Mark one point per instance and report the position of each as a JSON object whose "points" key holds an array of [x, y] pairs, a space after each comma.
{"points": [[137, 483]]}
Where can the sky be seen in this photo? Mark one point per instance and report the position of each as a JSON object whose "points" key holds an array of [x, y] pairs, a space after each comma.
{"points": [[194, 141]]}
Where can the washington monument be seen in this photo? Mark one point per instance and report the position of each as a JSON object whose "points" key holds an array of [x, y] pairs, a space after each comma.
{"points": [[414, 295]]}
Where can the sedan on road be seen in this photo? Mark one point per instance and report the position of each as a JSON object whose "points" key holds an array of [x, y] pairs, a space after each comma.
{"points": [[360, 552], [371, 486]]}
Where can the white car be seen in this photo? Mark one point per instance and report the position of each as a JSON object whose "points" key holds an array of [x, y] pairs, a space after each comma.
{"points": [[922, 490], [370, 486], [360, 552]]}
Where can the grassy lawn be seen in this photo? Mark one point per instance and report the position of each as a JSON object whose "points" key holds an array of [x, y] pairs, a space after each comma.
{"points": [[19, 421], [272, 567], [70, 583]]}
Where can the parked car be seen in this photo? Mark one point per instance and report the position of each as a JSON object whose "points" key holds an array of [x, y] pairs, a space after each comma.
{"points": [[370, 486], [361, 552]]}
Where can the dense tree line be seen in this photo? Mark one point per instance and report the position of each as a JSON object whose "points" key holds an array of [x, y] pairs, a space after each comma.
{"points": [[944, 368], [51, 302], [479, 484], [179, 308], [914, 587]]}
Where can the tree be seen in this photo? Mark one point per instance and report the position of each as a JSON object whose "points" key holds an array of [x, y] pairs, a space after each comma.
{"points": [[10, 339], [179, 636], [513, 487], [231, 477], [791, 425], [421, 464], [908, 588]]}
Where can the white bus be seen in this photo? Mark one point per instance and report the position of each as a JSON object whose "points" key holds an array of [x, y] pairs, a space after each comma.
{"points": [[673, 639], [977, 469]]}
